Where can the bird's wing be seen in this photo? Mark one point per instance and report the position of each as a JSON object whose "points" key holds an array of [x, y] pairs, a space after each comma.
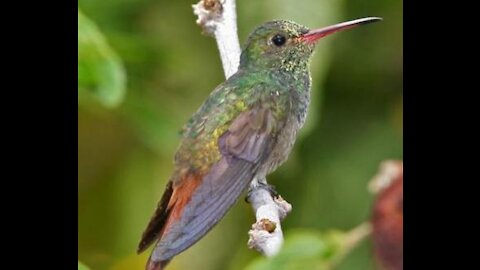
{"points": [[200, 200]]}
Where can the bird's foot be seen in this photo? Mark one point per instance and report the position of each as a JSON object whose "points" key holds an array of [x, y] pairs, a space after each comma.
{"points": [[263, 185], [272, 190]]}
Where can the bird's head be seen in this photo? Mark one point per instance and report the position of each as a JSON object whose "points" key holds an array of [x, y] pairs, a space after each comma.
{"points": [[286, 44]]}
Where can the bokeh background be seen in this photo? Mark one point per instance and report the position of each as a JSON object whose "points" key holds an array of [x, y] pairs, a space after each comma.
{"points": [[157, 70]]}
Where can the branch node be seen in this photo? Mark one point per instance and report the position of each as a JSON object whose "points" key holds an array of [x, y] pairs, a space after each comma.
{"points": [[209, 14], [218, 19], [284, 207]]}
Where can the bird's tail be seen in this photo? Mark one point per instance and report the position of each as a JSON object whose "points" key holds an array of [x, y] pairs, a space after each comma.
{"points": [[156, 265]]}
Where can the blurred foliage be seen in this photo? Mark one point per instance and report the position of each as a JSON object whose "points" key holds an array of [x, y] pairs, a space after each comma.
{"points": [[303, 250], [99, 68], [126, 148], [81, 266]]}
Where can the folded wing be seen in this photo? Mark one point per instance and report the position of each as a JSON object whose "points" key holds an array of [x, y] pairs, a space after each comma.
{"points": [[197, 203]]}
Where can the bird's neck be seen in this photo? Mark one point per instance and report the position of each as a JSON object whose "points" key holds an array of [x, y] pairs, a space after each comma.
{"points": [[291, 64], [288, 75], [296, 77]]}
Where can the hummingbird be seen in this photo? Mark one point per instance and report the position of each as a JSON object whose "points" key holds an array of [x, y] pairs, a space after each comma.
{"points": [[244, 130]]}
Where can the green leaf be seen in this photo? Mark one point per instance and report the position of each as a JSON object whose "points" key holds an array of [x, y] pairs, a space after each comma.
{"points": [[303, 250], [100, 71], [81, 266]]}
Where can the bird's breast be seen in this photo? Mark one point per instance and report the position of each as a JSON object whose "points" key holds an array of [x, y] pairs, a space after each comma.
{"points": [[296, 116]]}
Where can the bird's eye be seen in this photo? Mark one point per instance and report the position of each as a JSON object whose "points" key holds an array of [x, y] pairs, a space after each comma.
{"points": [[278, 40]]}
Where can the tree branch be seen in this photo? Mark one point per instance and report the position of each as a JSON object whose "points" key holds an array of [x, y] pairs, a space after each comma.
{"points": [[266, 235], [218, 19]]}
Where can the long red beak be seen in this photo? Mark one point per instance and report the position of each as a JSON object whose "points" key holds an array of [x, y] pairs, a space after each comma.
{"points": [[315, 34]]}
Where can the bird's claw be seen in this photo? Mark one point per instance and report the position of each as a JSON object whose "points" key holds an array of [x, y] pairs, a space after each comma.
{"points": [[270, 188]]}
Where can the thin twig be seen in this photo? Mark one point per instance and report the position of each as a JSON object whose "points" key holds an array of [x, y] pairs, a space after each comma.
{"points": [[352, 239], [218, 19]]}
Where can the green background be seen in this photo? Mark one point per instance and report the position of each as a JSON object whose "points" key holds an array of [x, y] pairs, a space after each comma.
{"points": [[145, 67]]}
